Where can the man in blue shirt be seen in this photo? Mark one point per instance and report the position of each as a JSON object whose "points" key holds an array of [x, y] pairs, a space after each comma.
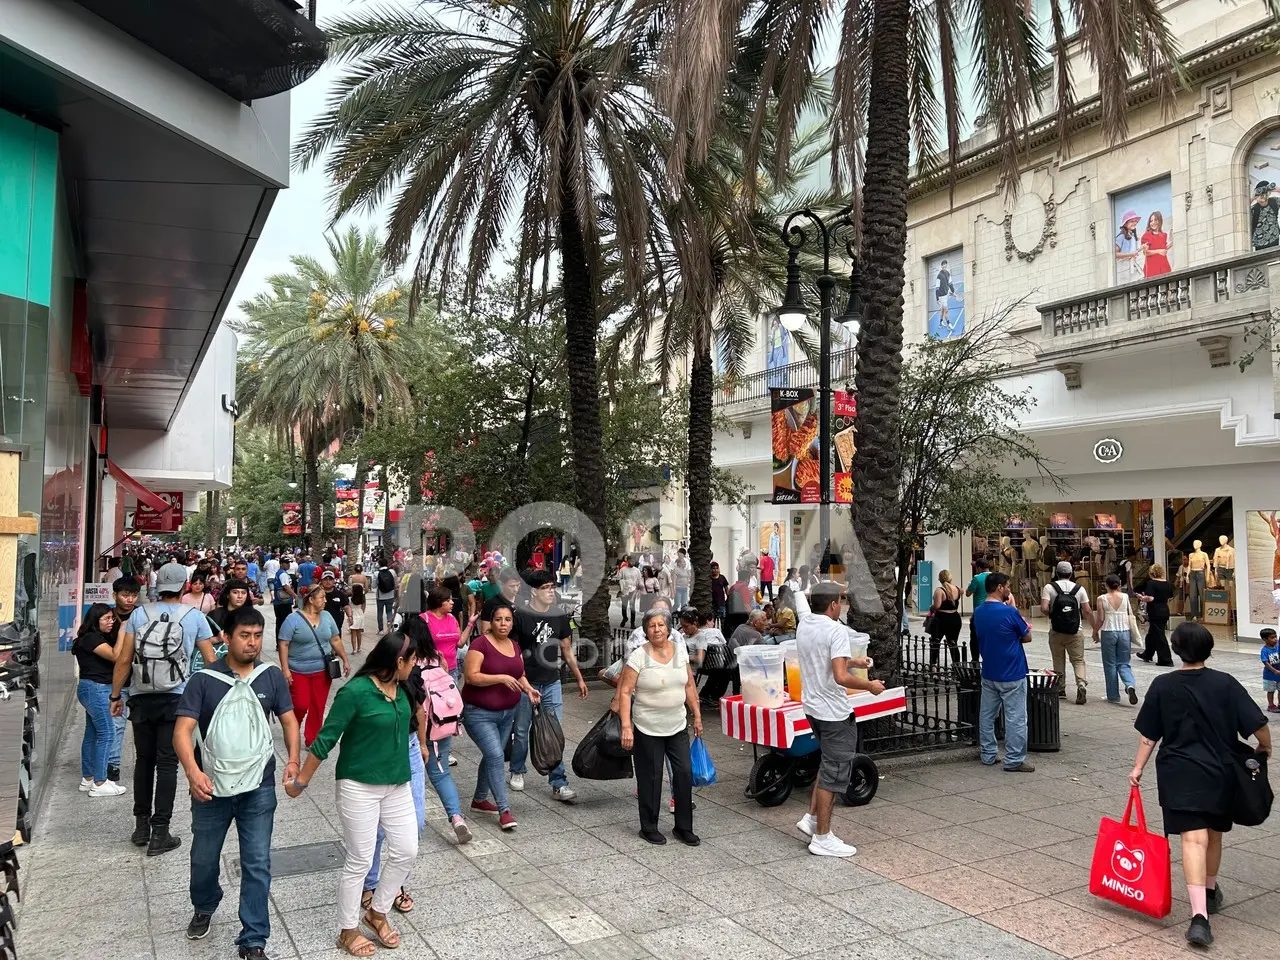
{"points": [[1003, 633], [306, 571], [153, 712]]}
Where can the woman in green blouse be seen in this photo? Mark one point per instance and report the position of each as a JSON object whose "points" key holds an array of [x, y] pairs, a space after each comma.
{"points": [[370, 715]]}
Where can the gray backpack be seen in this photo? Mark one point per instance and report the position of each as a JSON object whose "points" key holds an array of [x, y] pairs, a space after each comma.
{"points": [[160, 659]]}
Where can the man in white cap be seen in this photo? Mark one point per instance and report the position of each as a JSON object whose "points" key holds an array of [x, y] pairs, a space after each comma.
{"points": [[1066, 604], [156, 682]]}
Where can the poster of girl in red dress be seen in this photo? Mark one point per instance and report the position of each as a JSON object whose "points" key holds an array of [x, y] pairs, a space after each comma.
{"points": [[1155, 247]]}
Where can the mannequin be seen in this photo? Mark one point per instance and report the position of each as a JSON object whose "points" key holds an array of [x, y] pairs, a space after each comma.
{"points": [[1007, 556], [1198, 565], [1047, 559], [1108, 558], [1224, 562], [1030, 554]]}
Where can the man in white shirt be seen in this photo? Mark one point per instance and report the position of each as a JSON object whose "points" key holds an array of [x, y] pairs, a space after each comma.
{"points": [[114, 572], [1066, 604], [823, 646]]}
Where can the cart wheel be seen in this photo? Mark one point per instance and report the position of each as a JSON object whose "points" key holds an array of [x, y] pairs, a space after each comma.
{"points": [[770, 781], [806, 770], [864, 784]]}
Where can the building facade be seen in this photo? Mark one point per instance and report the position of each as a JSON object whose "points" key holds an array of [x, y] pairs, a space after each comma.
{"points": [[141, 148], [1132, 275]]}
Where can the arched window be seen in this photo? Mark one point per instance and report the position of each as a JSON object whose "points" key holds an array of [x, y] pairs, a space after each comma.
{"points": [[1264, 197]]}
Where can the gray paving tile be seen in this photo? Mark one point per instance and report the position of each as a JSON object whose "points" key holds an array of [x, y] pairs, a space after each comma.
{"points": [[972, 939], [649, 909], [585, 878], [893, 908], [709, 940], [673, 859], [221, 942], [762, 845], [877, 948], [819, 875], [742, 888], [306, 890], [818, 924], [542, 849], [572, 920], [610, 948], [36, 944], [448, 902], [510, 936]]}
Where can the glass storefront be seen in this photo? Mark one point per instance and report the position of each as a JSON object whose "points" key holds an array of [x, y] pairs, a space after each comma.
{"points": [[42, 413]]}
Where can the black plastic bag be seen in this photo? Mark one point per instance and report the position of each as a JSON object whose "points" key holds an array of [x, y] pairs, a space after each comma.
{"points": [[611, 737], [592, 763], [546, 741]]}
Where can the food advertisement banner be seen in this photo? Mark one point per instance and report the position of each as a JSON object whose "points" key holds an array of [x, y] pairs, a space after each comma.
{"points": [[843, 432], [348, 505], [375, 508], [291, 514], [794, 419]]}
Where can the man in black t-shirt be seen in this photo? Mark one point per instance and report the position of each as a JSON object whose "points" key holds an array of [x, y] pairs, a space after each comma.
{"points": [[336, 600], [254, 811], [543, 631]]}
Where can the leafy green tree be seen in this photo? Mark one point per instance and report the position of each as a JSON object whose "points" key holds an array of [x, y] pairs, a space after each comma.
{"points": [[500, 124], [900, 76], [260, 485], [326, 350]]}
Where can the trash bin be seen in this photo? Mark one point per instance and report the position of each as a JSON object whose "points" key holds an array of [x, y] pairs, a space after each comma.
{"points": [[969, 701], [1044, 729]]}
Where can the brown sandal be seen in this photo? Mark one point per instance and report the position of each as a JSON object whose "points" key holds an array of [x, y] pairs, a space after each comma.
{"points": [[355, 943], [383, 932], [403, 903]]}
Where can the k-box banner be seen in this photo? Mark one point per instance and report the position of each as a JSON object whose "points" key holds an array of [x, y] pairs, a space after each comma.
{"points": [[794, 420]]}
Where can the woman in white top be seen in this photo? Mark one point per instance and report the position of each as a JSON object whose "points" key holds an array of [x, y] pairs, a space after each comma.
{"points": [[1112, 620], [656, 725]]}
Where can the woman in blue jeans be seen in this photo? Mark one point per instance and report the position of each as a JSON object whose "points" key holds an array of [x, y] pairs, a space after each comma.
{"points": [[1113, 622], [494, 679], [96, 655]]}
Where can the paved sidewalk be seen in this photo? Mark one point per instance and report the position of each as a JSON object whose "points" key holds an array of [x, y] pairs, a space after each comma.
{"points": [[955, 861]]}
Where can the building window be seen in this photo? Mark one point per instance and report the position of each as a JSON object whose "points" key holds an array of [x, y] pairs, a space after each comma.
{"points": [[945, 296], [1264, 200], [1143, 219]]}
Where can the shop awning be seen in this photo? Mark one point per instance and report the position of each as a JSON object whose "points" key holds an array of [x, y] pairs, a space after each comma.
{"points": [[145, 496]]}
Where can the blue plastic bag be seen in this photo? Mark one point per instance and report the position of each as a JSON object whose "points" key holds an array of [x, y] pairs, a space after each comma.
{"points": [[704, 771]]}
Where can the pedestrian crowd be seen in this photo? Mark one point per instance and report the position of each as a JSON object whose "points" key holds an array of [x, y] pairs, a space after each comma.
{"points": [[480, 650]]}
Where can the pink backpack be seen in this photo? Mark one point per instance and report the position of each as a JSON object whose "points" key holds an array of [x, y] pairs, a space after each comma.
{"points": [[443, 707]]}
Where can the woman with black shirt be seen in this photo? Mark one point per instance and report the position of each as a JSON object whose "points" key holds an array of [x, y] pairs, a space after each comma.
{"points": [[1157, 594], [96, 654], [1195, 714]]}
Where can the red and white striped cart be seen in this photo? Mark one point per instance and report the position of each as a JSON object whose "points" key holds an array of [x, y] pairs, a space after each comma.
{"points": [[792, 757]]}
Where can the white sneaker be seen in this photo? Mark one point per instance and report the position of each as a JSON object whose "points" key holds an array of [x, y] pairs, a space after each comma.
{"points": [[808, 825], [564, 794], [516, 782], [453, 761], [106, 789], [829, 845], [86, 784]]}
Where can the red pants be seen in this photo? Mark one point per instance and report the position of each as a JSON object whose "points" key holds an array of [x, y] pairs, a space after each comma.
{"points": [[310, 692]]}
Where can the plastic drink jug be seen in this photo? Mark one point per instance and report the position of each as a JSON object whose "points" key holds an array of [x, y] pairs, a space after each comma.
{"points": [[858, 643], [760, 667], [791, 662]]}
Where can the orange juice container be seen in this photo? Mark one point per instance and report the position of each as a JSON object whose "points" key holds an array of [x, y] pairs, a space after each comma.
{"points": [[791, 660]]}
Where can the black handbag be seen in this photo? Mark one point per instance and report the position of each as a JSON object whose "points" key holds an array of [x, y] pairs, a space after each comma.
{"points": [[1251, 793], [332, 662]]}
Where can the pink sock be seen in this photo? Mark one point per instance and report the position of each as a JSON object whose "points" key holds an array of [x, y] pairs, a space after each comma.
{"points": [[1211, 883], [1199, 900]]}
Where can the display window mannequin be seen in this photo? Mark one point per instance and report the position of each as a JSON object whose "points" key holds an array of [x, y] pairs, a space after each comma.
{"points": [[1224, 562], [1198, 566]]}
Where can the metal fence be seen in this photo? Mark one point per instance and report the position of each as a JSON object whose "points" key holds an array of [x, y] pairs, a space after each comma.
{"points": [[942, 702]]}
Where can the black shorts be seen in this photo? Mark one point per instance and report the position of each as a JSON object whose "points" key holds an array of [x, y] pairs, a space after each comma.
{"points": [[1185, 821], [838, 741]]}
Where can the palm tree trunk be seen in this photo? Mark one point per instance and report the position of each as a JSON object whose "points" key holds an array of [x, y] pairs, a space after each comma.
{"points": [[311, 493], [877, 468], [582, 326], [698, 475]]}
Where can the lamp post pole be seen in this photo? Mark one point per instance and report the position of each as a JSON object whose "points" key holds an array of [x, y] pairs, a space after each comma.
{"points": [[793, 314]]}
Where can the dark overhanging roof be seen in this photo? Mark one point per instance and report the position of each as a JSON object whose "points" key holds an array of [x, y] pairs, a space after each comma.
{"points": [[248, 49]]}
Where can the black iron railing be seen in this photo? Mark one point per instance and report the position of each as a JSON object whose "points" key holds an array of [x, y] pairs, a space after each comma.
{"points": [[943, 695], [755, 387]]}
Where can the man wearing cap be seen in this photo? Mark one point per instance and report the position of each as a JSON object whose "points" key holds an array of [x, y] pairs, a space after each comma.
{"points": [[336, 600], [1066, 604], [126, 599], [153, 714]]}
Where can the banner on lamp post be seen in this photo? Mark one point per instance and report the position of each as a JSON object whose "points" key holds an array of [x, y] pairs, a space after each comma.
{"points": [[794, 438], [843, 438], [291, 514], [375, 507], [348, 505]]}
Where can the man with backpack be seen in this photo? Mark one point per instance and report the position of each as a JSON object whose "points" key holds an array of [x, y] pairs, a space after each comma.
{"points": [[283, 594], [154, 660], [387, 594], [1065, 603], [226, 707]]}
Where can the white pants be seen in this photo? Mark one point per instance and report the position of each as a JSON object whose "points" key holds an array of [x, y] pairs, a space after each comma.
{"points": [[362, 807]]}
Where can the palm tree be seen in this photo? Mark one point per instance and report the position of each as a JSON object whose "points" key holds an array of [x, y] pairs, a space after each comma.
{"points": [[895, 57], [327, 351], [502, 123]]}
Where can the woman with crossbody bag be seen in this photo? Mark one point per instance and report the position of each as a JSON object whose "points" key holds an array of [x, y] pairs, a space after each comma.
{"points": [[311, 657]]}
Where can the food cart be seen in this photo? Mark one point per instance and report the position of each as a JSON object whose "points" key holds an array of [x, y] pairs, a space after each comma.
{"points": [[792, 758]]}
